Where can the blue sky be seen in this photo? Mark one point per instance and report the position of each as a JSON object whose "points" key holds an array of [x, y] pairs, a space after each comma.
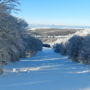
{"points": [[62, 12]]}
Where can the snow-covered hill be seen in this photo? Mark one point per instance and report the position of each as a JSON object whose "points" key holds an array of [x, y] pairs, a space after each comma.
{"points": [[47, 71], [48, 26]]}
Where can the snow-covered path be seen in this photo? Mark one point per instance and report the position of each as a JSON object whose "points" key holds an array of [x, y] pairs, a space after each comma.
{"points": [[46, 71]]}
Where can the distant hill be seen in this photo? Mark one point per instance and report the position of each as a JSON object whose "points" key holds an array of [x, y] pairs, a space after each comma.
{"points": [[46, 26]]}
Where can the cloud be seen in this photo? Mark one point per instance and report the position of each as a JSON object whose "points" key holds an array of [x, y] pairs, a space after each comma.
{"points": [[28, 83], [81, 72], [85, 88]]}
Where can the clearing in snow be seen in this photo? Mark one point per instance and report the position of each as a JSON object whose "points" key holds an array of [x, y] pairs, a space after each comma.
{"points": [[46, 71]]}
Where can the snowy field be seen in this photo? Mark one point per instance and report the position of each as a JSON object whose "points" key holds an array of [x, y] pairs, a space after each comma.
{"points": [[46, 71]]}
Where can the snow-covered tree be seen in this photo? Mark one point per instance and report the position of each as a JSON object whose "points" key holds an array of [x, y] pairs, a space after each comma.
{"points": [[84, 53], [77, 47], [74, 44], [14, 42]]}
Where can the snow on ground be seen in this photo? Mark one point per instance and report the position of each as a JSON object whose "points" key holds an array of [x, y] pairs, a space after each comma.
{"points": [[46, 71]]}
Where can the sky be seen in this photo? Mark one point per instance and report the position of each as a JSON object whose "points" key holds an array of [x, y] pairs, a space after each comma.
{"points": [[59, 12]]}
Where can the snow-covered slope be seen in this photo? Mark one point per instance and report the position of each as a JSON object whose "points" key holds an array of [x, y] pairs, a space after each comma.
{"points": [[47, 71]]}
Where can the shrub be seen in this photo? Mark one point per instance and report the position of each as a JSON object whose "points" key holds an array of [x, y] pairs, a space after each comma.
{"points": [[74, 45], [77, 47], [84, 53]]}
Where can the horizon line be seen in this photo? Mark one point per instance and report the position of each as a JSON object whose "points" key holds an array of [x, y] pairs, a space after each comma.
{"points": [[57, 24]]}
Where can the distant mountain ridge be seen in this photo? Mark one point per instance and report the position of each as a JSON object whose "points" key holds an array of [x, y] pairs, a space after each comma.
{"points": [[39, 26]]}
